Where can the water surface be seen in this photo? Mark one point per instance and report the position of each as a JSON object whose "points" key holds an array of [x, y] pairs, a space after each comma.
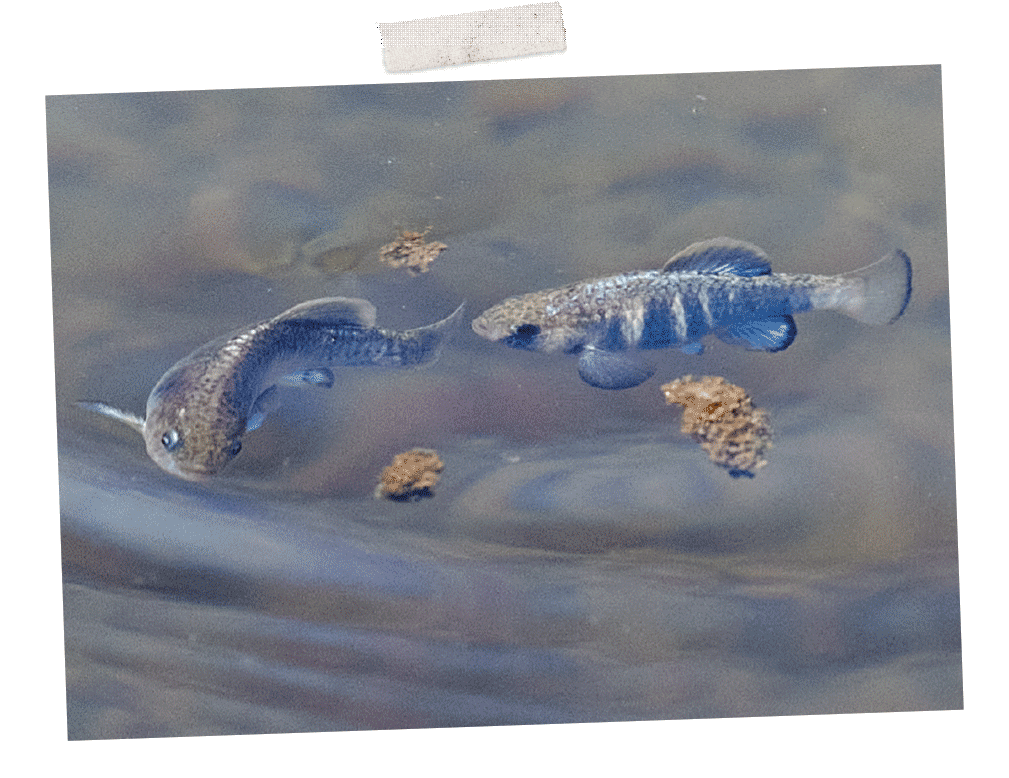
{"points": [[580, 559]]}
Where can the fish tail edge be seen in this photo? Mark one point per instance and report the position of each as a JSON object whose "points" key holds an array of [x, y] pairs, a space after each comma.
{"points": [[884, 290], [434, 336]]}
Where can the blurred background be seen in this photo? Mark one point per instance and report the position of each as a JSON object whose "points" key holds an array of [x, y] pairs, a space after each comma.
{"points": [[580, 559]]}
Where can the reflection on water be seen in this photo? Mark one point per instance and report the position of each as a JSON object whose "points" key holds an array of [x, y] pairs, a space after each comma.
{"points": [[184, 619], [580, 560]]}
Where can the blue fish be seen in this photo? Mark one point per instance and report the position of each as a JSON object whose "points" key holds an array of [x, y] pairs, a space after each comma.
{"points": [[199, 410], [722, 286]]}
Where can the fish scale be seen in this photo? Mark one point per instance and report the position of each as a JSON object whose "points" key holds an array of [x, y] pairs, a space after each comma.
{"points": [[722, 286], [199, 410]]}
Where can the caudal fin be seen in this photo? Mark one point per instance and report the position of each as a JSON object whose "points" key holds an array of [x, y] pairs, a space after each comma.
{"points": [[433, 337], [882, 292]]}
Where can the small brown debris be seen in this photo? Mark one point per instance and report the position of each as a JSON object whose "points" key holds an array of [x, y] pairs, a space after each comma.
{"points": [[410, 251], [411, 475], [722, 418]]}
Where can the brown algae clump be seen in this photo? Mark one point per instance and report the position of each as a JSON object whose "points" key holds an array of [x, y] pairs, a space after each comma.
{"points": [[411, 475], [410, 251], [722, 418]]}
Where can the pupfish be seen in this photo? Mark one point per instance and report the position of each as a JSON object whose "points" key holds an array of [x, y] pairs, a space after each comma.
{"points": [[200, 409], [722, 286]]}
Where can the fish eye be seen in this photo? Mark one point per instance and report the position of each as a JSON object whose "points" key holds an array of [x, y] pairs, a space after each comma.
{"points": [[523, 335], [171, 440], [235, 448]]}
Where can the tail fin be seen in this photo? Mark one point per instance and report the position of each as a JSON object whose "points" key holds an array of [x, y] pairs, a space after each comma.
{"points": [[433, 337], [883, 292]]}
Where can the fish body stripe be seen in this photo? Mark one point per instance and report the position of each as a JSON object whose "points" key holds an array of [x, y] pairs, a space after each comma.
{"points": [[658, 329], [651, 310], [720, 286]]}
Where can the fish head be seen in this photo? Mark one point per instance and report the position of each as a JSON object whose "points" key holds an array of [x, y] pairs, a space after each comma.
{"points": [[528, 322], [193, 428], [188, 444]]}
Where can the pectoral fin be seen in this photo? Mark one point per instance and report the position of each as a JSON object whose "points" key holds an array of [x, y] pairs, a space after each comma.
{"points": [[612, 369], [269, 400], [774, 333], [266, 402]]}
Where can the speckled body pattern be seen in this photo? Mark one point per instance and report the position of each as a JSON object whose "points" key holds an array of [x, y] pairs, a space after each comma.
{"points": [[650, 309], [721, 286], [199, 410]]}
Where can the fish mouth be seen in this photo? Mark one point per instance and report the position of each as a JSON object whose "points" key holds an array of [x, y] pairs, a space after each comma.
{"points": [[173, 467], [194, 476], [492, 326], [194, 470], [482, 327]]}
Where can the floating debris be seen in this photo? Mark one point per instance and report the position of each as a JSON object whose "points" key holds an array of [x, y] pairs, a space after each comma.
{"points": [[722, 418], [410, 250], [411, 475]]}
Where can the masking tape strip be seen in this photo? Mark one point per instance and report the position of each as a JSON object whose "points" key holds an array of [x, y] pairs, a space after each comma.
{"points": [[472, 37]]}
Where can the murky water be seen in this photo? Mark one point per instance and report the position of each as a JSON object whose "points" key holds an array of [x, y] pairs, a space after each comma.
{"points": [[580, 560]]}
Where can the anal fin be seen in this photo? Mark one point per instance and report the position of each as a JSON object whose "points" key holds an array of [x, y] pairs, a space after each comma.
{"points": [[775, 333]]}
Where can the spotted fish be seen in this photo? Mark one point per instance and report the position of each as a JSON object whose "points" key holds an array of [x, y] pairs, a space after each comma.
{"points": [[199, 410], [721, 286]]}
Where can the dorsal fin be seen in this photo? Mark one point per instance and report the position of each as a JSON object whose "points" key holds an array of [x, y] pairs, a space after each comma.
{"points": [[332, 310], [720, 255]]}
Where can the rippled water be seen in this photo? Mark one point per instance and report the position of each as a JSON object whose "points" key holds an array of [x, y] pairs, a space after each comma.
{"points": [[580, 560]]}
